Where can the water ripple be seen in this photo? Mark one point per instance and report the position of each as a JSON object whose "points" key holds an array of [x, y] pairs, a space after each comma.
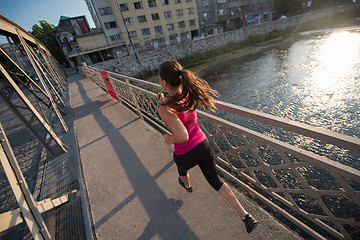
{"points": [[313, 79]]}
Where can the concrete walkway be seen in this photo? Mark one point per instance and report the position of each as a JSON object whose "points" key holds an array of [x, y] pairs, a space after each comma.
{"points": [[131, 180]]}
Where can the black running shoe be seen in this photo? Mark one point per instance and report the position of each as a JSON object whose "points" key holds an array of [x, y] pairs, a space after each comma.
{"points": [[250, 223], [189, 189]]}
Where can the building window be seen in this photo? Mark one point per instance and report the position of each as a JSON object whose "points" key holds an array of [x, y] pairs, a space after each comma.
{"points": [[158, 29], [223, 12], [116, 37], [105, 11], [179, 12], [177, 1], [167, 14], [128, 21], [152, 3], [205, 3], [148, 44], [267, 17], [172, 37], [222, 1], [165, 2], [161, 40], [136, 45], [138, 5], [170, 26], [181, 24], [124, 7], [142, 18], [132, 34], [183, 36], [190, 11], [192, 22], [206, 15], [155, 16], [109, 25], [145, 31]]}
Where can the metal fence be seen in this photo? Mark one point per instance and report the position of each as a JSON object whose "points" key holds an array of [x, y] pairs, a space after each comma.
{"points": [[318, 195], [38, 191]]}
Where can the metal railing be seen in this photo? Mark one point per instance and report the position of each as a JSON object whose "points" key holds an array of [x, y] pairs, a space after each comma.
{"points": [[318, 195]]}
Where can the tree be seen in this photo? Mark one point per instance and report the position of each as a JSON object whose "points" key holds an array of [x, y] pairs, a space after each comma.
{"points": [[46, 35]]}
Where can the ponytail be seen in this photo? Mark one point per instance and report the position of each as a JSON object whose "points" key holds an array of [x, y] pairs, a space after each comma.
{"points": [[196, 91]]}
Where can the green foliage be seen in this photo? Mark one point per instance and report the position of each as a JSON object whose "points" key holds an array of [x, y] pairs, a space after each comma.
{"points": [[200, 57], [46, 35]]}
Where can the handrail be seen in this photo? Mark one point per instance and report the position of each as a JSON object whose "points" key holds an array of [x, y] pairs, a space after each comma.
{"points": [[338, 139], [279, 144], [281, 175], [130, 78]]}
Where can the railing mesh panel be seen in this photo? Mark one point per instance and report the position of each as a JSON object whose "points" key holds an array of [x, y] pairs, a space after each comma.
{"points": [[317, 194]]}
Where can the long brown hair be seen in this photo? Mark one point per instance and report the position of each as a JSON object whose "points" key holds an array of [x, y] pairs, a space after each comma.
{"points": [[195, 90]]}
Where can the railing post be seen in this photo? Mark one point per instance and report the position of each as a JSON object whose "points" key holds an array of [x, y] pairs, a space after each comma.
{"points": [[109, 87], [99, 79], [134, 99]]}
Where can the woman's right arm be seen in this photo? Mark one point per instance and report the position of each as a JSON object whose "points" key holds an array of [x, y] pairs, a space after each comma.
{"points": [[177, 128]]}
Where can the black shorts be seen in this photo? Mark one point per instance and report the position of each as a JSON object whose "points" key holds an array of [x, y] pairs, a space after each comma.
{"points": [[203, 156]]}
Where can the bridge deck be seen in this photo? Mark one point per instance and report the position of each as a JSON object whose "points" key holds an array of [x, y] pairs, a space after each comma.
{"points": [[131, 180]]}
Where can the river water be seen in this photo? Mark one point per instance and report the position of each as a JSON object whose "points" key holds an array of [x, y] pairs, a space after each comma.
{"points": [[312, 78]]}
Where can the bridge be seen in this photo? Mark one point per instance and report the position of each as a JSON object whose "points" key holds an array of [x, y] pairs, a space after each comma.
{"points": [[105, 173]]}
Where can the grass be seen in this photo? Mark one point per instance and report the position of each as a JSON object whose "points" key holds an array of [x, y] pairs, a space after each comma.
{"points": [[198, 58]]}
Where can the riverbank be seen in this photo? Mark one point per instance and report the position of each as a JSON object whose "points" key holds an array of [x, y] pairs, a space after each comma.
{"points": [[200, 61], [192, 53], [202, 66]]}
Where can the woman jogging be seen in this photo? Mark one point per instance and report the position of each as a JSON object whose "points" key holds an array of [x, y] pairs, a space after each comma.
{"points": [[186, 92]]}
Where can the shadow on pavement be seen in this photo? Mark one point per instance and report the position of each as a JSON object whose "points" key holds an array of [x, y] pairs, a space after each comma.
{"points": [[165, 221]]}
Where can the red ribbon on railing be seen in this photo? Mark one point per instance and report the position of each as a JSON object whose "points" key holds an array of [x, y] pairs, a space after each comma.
{"points": [[108, 84]]}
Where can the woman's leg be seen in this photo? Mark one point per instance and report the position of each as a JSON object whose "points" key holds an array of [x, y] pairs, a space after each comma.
{"points": [[230, 197], [186, 180], [209, 170], [185, 162], [208, 167], [249, 221]]}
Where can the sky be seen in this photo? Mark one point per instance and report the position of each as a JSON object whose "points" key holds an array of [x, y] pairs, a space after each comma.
{"points": [[26, 13]]}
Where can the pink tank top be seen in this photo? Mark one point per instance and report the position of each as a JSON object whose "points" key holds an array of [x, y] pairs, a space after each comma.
{"points": [[196, 135]]}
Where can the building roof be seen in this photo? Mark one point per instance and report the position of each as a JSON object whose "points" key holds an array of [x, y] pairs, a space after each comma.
{"points": [[64, 17]]}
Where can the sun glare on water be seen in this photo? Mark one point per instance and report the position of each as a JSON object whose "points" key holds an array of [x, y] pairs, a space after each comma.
{"points": [[336, 59]]}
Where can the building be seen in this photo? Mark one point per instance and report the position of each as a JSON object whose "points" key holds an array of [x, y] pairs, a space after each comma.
{"points": [[125, 26], [82, 44], [216, 16], [147, 24]]}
